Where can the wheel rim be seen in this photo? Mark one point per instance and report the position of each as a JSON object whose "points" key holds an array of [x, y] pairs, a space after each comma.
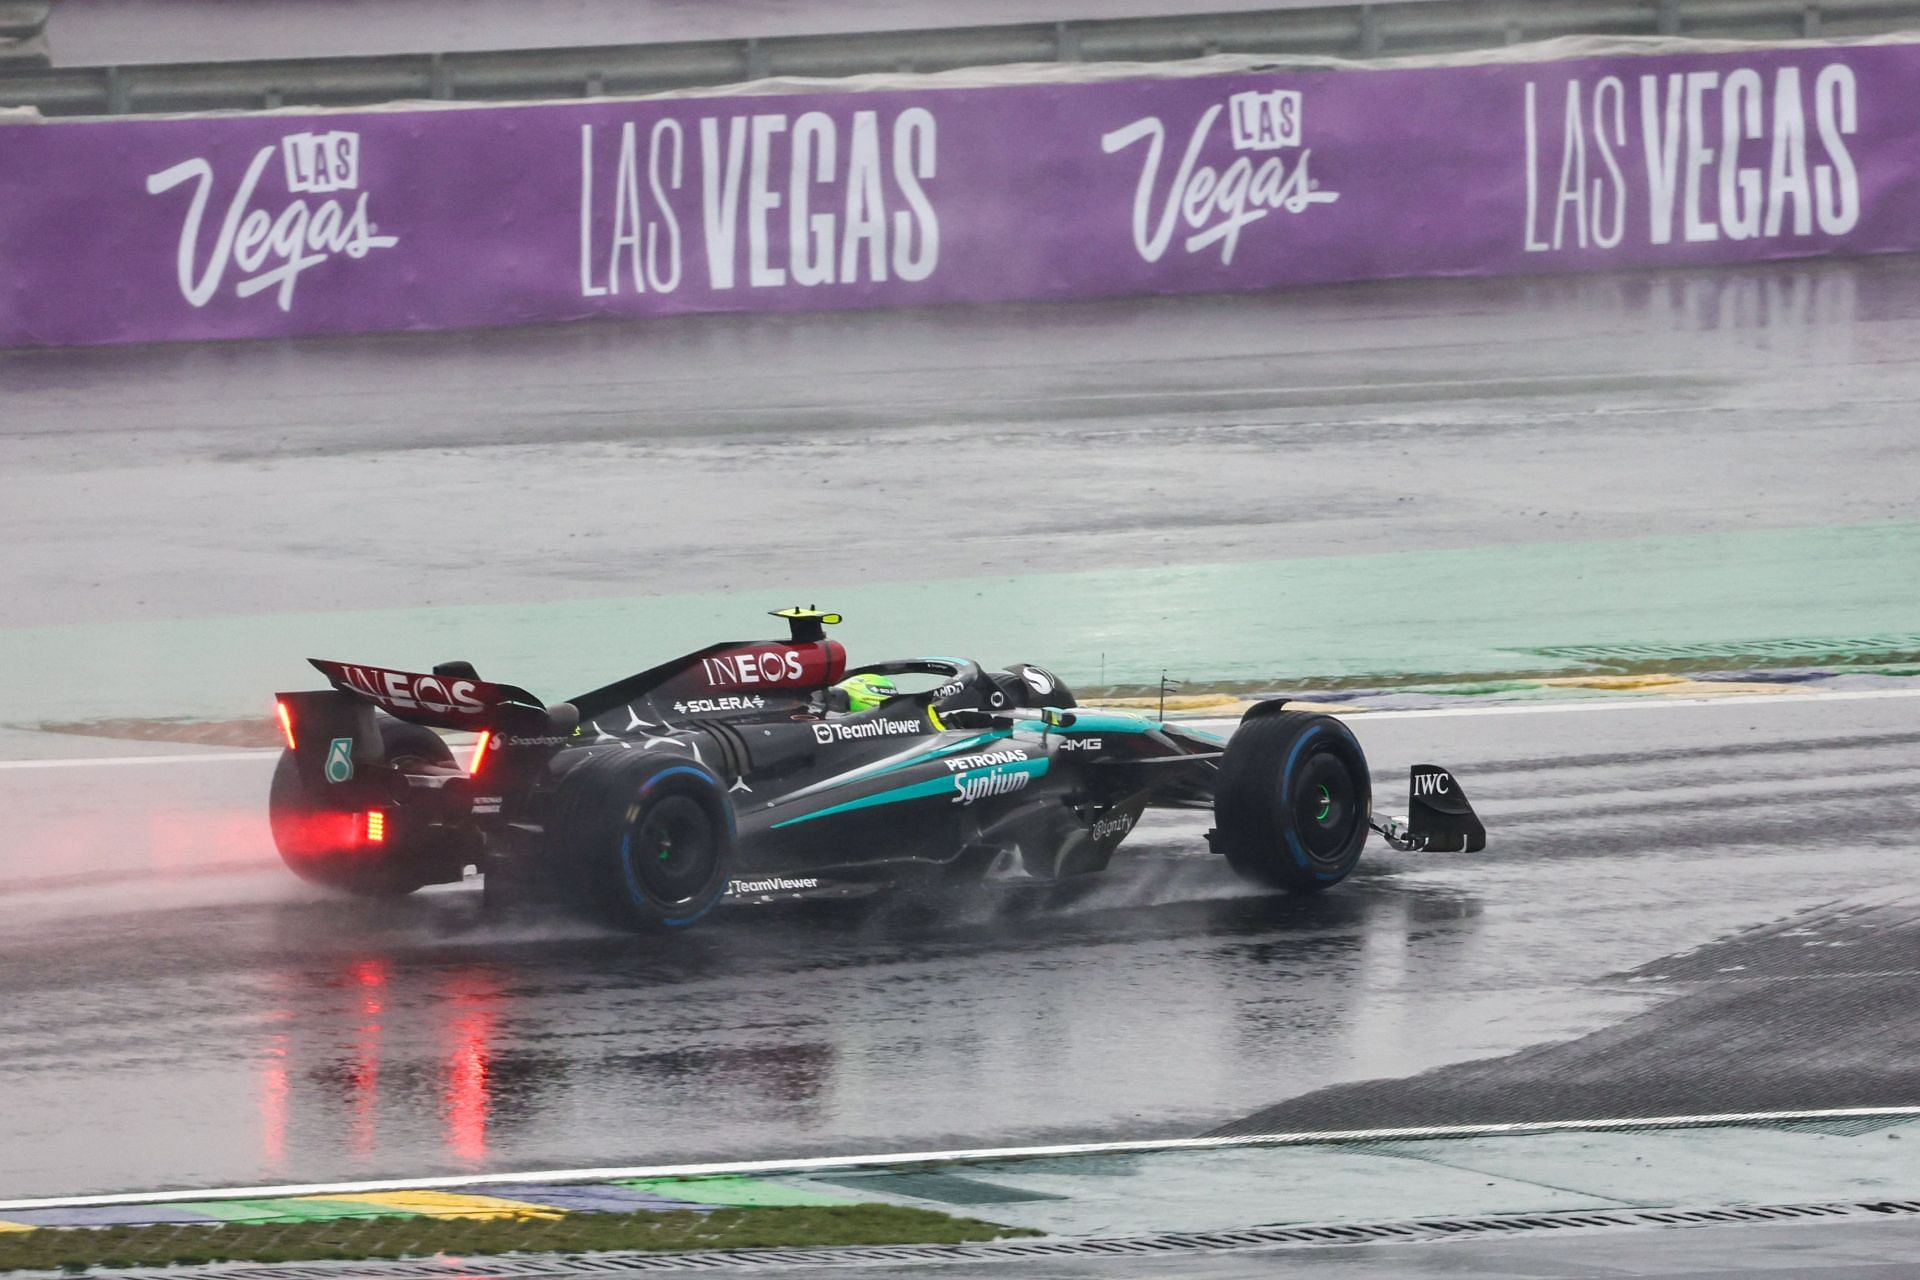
{"points": [[1326, 807], [673, 849]]}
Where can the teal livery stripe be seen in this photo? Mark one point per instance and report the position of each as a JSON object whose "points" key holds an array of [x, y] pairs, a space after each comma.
{"points": [[947, 785], [880, 768], [1095, 722], [965, 744]]}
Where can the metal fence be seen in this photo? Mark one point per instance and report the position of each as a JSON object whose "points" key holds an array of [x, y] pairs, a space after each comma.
{"points": [[1351, 31], [23, 26]]}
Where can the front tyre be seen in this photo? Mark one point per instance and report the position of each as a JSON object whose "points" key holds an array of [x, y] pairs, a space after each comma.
{"points": [[1292, 801], [645, 841]]}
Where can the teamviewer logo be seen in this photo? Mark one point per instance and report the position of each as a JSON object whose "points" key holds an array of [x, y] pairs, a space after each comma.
{"points": [[1265, 121], [321, 162]]}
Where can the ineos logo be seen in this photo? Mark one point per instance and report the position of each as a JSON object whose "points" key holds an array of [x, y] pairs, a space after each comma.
{"points": [[774, 666], [399, 689]]}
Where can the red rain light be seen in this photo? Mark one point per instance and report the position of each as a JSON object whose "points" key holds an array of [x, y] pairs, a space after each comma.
{"points": [[286, 724], [376, 826], [480, 745]]}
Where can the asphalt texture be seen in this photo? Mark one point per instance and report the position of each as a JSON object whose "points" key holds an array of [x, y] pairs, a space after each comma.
{"points": [[766, 455], [1880, 1251], [176, 1011]]}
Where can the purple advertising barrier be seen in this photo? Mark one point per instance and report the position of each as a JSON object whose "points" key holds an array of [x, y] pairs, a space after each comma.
{"points": [[251, 226]]}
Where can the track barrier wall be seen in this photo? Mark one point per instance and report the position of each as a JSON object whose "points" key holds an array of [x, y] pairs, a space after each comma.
{"points": [[293, 223]]}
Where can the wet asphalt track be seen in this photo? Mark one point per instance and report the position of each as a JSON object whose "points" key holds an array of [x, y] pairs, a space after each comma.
{"points": [[752, 454], [177, 1011]]}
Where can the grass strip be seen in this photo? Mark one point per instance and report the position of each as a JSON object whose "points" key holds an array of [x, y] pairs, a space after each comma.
{"points": [[75, 1248]]}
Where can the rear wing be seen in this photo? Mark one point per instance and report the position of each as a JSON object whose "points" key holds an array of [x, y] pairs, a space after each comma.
{"points": [[449, 697]]}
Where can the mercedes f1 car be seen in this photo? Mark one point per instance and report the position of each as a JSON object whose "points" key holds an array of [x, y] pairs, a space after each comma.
{"points": [[730, 772]]}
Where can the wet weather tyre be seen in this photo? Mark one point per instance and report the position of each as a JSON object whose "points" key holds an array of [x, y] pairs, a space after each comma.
{"points": [[1292, 801], [317, 838], [645, 842]]}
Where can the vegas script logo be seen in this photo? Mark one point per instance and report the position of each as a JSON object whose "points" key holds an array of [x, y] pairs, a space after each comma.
{"points": [[1217, 204], [272, 249]]}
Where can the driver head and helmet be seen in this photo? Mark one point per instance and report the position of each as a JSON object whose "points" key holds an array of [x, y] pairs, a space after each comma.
{"points": [[862, 693]]}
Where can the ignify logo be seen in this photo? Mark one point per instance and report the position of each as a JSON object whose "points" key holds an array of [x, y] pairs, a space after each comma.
{"points": [[272, 249]]}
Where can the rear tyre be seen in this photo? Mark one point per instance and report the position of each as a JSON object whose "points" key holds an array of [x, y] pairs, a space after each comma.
{"points": [[321, 842], [646, 842], [1292, 801]]}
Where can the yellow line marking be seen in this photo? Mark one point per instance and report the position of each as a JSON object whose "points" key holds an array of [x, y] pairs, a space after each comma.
{"points": [[16, 1226], [1670, 686], [446, 1204]]}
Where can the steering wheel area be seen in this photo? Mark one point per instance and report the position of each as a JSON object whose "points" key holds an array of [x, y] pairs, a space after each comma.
{"points": [[964, 684]]}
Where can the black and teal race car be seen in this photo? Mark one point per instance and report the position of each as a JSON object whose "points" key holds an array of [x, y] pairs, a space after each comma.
{"points": [[732, 772]]}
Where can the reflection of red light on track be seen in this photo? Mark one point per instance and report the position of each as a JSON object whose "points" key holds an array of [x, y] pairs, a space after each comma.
{"points": [[371, 972], [286, 724], [469, 1065], [273, 1104], [467, 1098], [364, 1076]]}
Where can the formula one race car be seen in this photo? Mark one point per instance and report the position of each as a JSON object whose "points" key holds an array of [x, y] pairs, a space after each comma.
{"points": [[730, 773]]}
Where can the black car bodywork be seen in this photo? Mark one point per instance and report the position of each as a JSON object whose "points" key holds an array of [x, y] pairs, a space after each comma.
{"points": [[727, 773]]}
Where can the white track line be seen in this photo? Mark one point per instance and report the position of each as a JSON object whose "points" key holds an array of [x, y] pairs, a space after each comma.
{"points": [[1651, 702], [115, 762], [967, 1156], [1648, 702]]}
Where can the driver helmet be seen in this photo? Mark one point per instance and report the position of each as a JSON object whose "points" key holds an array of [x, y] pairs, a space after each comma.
{"points": [[865, 692]]}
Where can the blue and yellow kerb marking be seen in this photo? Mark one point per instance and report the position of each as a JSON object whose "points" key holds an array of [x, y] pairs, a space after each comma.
{"points": [[528, 1201]]}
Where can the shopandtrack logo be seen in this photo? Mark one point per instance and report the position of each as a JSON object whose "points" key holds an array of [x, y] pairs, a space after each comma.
{"points": [[1217, 204], [272, 250]]}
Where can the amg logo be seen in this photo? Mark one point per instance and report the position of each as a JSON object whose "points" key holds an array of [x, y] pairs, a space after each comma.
{"points": [[1000, 782], [1431, 784], [960, 764]]}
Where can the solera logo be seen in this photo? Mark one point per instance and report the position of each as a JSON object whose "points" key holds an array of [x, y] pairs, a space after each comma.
{"points": [[1216, 204], [271, 250]]}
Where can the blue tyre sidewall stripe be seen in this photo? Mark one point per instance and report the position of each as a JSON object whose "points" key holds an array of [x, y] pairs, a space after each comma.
{"points": [[634, 888], [1294, 846]]}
